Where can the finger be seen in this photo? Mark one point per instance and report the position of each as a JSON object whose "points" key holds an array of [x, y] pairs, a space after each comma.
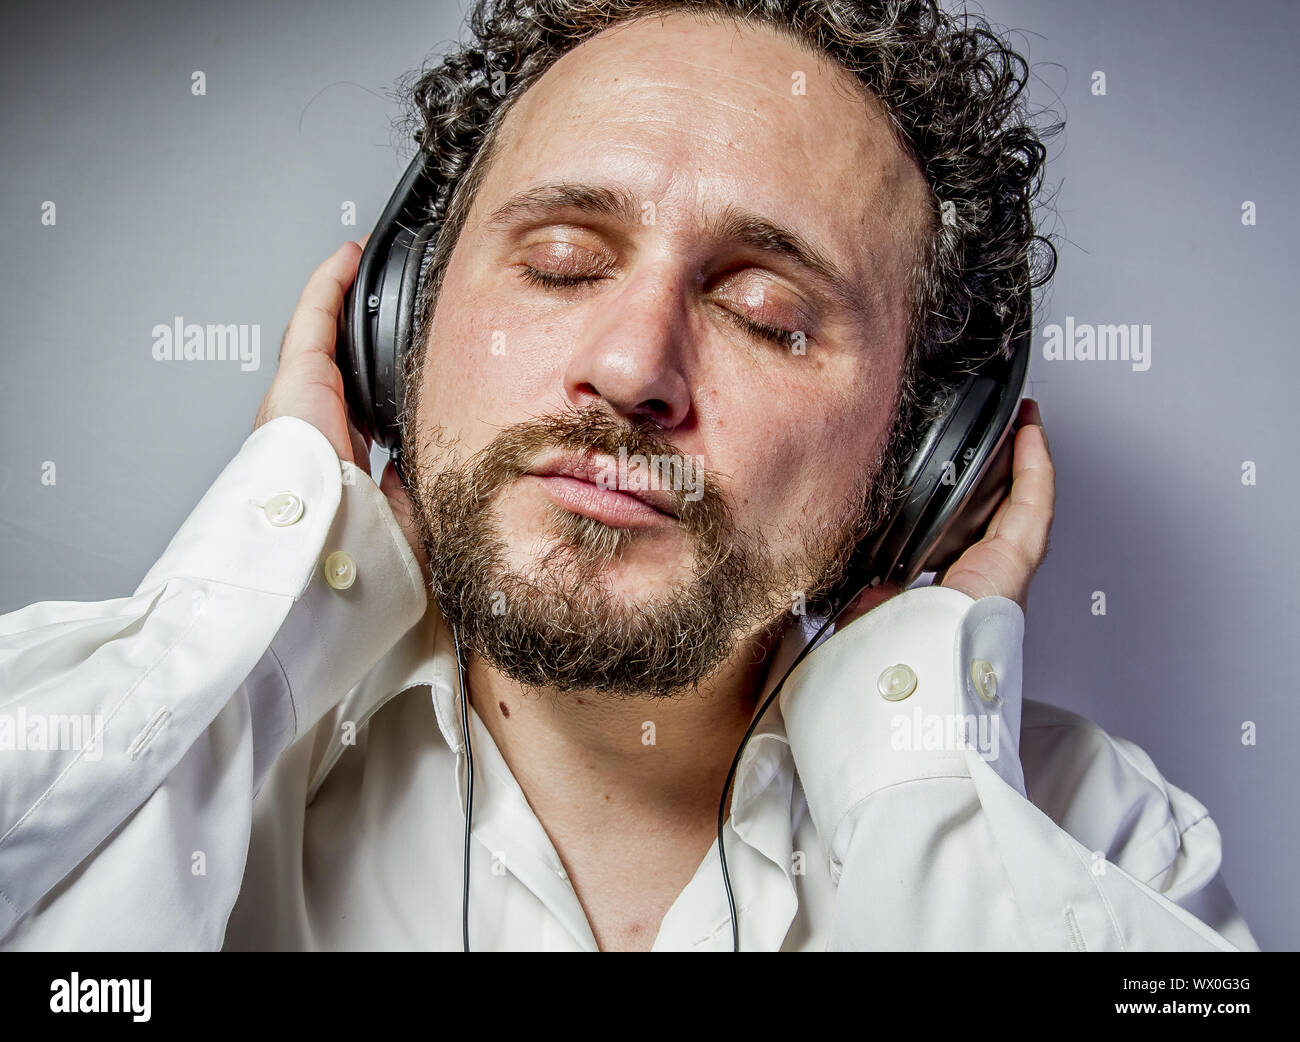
{"points": [[1031, 415], [1027, 413], [992, 569], [1025, 518], [991, 529], [314, 324]]}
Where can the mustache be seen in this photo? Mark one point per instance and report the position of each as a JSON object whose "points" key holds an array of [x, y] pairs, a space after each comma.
{"points": [[591, 429], [552, 622]]}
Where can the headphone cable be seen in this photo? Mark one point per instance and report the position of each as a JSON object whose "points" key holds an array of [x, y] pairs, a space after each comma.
{"points": [[469, 794], [722, 803], [735, 763]]}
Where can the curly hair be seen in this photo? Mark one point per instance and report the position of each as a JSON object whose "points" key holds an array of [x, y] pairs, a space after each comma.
{"points": [[952, 88]]}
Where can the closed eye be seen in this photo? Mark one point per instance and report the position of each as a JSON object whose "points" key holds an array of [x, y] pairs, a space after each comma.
{"points": [[784, 337], [535, 277]]}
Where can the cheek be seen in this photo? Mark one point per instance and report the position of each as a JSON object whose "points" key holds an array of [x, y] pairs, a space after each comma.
{"points": [[796, 451], [488, 362]]}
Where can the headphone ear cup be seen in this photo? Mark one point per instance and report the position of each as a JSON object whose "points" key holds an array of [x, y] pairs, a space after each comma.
{"points": [[936, 479], [353, 356], [379, 308], [952, 484], [405, 268], [967, 525]]}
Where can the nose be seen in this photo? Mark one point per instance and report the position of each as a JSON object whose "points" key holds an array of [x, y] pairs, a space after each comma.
{"points": [[630, 354]]}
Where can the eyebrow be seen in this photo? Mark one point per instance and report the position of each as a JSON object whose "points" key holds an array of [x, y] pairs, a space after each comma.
{"points": [[733, 224]]}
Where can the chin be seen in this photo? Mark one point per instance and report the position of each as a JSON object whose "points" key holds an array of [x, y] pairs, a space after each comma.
{"points": [[647, 568]]}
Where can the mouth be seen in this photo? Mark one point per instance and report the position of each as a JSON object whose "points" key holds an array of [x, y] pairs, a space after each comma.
{"points": [[585, 484]]}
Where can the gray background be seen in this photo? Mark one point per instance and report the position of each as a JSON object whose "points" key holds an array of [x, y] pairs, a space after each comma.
{"points": [[217, 208]]}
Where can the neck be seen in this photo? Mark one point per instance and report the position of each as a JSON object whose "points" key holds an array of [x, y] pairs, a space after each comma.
{"points": [[626, 788], [657, 758]]}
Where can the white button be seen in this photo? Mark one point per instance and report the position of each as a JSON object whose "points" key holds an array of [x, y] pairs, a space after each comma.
{"points": [[897, 682], [340, 570], [284, 508], [985, 680]]}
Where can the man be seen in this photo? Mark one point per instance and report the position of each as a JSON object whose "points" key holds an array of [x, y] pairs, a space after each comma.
{"points": [[665, 200]]}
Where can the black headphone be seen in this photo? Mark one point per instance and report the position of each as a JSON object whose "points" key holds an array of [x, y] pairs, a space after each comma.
{"points": [[952, 484]]}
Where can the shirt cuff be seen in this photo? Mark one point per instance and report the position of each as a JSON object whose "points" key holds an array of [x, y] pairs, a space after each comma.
{"points": [[287, 517], [905, 692], [366, 592], [262, 522]]}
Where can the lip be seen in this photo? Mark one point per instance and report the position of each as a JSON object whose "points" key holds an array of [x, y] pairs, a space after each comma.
{"points": [[570, 481]]}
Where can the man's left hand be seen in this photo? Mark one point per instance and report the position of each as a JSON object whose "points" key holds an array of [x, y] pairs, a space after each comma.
{"points": [[1014, 544]]}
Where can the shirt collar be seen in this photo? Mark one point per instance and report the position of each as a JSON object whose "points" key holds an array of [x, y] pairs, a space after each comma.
{"points": [[425, 656], [766, 808]]}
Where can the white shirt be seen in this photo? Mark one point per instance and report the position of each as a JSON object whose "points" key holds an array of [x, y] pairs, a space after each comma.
{"points": [[274, 760]]}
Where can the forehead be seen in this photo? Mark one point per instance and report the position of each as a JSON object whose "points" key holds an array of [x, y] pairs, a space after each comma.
{"points": [[692, 114]]}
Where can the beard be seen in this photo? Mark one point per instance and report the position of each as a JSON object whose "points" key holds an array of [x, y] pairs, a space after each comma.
{"points": [[556, 624]]}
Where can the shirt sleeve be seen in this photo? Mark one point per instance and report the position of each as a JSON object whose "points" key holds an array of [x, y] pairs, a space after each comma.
{"points": [[1110, 796], [905, 729], [135, 732]]}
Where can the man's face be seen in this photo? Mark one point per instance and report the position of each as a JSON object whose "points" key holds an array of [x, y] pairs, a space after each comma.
{"points": [[688, 141]]}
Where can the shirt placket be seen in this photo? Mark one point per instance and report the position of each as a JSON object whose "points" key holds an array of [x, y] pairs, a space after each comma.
{"points": [[509, 842], [759, 847]]}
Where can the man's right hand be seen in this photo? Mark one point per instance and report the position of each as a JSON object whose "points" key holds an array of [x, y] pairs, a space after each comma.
{"points": [[308, 383]]}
